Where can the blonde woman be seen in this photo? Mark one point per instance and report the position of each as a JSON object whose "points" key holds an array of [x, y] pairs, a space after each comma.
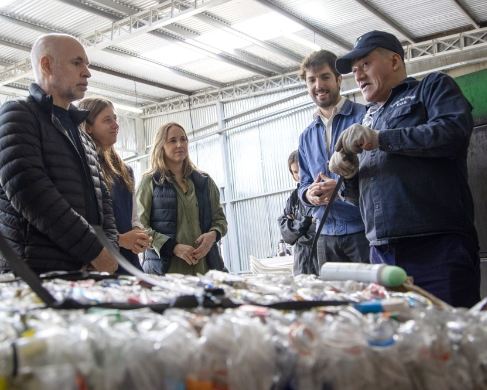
{"points": [[101, 124], [180, 207]]}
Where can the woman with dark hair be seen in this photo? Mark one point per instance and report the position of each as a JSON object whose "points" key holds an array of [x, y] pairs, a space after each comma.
{"points": [[101, 124], [297, 226], [180, 207]]}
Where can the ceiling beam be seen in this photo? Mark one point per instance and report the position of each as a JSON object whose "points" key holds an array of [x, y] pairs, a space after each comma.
{"points": [[174, 69], [148, 20], [391, 23], [212, 52], [244, 60], [24, 23], [276, 69], [329, 36], [214, 20], [116, 6], [171, 36], [23, 69], [45, 29], [4, 41], [463, 9], [123, 91], [24, 86], [5, 62], [92, 10], [139, 79], [440, 53]]}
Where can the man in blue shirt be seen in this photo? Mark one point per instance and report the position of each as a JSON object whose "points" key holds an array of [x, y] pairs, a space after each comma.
{"points": [[342, 238], [412, 170]]}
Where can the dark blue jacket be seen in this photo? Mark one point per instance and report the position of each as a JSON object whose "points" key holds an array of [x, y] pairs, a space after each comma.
{"points": [[344, 218], [164, 220], [416, 182]]}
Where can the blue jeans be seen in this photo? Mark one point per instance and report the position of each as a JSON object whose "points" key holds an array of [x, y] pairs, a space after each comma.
{"points": [[446, 265]]}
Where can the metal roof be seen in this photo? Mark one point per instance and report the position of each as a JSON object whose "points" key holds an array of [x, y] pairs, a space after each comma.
{"points": [[148, 52]]}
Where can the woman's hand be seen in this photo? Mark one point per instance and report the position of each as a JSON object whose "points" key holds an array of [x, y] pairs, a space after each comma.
{"points": [[135, 240], [204, 244], [185, 252]]}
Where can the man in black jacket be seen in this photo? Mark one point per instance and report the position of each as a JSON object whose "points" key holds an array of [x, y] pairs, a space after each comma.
{"points": [[51, 191]]}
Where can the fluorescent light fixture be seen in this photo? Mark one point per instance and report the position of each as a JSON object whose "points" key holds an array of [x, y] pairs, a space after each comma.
{"points": [[124, 107], [5, 3]]}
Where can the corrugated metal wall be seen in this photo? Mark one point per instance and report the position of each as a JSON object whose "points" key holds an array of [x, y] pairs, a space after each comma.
{"points": [[191, 120], [259, 181], [126, 140], [258, 156]]}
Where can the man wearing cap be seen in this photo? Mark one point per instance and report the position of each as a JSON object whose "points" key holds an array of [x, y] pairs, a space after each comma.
{"points": [[342, 237], [412, 170]]}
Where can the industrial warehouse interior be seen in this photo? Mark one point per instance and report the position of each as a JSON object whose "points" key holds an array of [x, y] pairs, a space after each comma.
{"points": [[227, 73]]}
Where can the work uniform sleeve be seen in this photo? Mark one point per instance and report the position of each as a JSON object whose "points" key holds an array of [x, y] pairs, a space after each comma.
{"points": [[438, 124]]}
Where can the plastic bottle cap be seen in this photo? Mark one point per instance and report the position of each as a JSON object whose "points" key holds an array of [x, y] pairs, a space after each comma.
{"points": [[393, 276]]}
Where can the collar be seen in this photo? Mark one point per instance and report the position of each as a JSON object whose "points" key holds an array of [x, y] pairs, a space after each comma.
{"points": [[343, 107], [45, 102]]}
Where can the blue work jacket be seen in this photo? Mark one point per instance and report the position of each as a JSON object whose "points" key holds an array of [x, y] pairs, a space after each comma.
{"points": [[344, 218], [415, 184]]}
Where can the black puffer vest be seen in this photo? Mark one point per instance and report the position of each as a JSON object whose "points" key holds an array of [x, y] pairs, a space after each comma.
{"points": [[164, 219]]}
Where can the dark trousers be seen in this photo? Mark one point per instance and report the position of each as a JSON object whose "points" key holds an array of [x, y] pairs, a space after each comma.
{"points": [[446, 265], [350, 248]]}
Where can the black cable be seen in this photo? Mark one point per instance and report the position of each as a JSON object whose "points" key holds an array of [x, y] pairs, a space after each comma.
{"points": [[20, 268], [323, 220]]}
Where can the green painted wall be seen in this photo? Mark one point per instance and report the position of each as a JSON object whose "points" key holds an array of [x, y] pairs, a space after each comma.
{"points": [[474, 87]]}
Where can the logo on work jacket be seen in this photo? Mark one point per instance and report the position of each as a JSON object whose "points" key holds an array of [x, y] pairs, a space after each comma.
{"points": [[402, 101]]}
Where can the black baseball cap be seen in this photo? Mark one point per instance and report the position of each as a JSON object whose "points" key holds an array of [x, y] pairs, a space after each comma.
{"points": [[365, 44]]}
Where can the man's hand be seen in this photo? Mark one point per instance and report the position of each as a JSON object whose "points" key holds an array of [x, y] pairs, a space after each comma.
{"points": [[135, 240], [185, 252], [104, 262], [204, 244], [319, 192], [357, 138], [343, 164]]}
